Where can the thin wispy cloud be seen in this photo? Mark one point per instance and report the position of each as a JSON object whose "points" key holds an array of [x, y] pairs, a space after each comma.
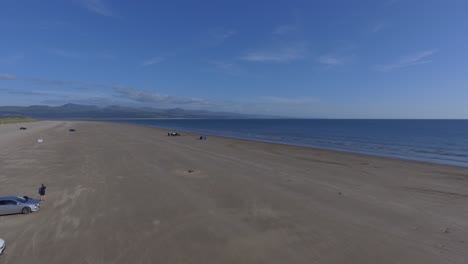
{"points": [[48, 82], [222, 65], [23, 92], [330, 60], [282, 50], [289, 100], [49, 92], [418, 58], [378, 27], [66, 53], [273, 105], [390, 3], [106, 55], [216, 37], [72, 54], [281, 55], [152, 61], [226, 67], [143, 96], [67, 84], [98, 101], [7, 76], [37, 81], [11, 58], [284, 29], [100, 7], [47, 24]]}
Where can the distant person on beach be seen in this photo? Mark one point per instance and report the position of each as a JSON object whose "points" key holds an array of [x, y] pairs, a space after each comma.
{"points": [[42, 192]]}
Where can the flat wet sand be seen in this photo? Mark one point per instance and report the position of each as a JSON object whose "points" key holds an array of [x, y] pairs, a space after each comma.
{"points": [[127, 194]]}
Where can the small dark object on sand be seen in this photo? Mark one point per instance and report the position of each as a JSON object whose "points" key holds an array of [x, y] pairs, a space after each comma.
{"points": [[339, 193], [71, 130], [23, 128], [190, 171]]}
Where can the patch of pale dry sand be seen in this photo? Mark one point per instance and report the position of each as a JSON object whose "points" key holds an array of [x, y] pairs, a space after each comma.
{"points": [[9, 133], [126, 194]]}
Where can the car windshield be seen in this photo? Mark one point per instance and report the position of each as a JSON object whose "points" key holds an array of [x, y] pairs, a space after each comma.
{"points": [[20, 199]]}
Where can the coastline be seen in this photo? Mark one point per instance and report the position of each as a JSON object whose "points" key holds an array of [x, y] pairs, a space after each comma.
{"points": [[401, 157], [223, 200], [197, 134]]}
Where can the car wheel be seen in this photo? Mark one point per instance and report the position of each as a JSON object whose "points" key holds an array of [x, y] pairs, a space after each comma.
{"points": [[26, 210]]}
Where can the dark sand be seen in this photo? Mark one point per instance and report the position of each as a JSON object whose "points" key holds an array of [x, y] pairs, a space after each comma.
{"points": [[123, 194]]}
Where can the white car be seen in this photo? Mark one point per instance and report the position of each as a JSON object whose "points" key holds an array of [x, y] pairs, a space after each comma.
{"points": [[2, 246], [18, 205]]}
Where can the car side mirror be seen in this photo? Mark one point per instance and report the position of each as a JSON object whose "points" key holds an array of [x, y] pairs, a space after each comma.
{"points": [[18, 203]]}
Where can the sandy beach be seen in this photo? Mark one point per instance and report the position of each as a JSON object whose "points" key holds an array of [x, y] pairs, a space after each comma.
{"points": [[119, 193]]}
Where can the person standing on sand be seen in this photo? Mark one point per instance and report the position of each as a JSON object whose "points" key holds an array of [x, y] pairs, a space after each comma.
{"points": [[42, 192]]}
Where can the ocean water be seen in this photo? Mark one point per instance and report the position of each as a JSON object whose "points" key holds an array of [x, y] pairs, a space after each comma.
{"points": [[438, 141]]}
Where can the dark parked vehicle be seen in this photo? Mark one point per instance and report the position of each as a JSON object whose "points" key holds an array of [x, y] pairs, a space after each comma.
{"points": [[18, 205], [71, 130], [23, 128]]}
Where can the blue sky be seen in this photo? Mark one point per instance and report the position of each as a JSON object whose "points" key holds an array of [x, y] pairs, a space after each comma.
{"points": [[337, 59]]}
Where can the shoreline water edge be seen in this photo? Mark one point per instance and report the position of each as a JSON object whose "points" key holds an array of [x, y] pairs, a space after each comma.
{"points": [[435, 141]]}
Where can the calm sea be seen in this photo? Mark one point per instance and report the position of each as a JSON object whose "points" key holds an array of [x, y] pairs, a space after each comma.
{"points": [[439, 141]]}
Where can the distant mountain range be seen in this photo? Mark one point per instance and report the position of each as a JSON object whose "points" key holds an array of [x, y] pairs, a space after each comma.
{"points": [[77, 111]]}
